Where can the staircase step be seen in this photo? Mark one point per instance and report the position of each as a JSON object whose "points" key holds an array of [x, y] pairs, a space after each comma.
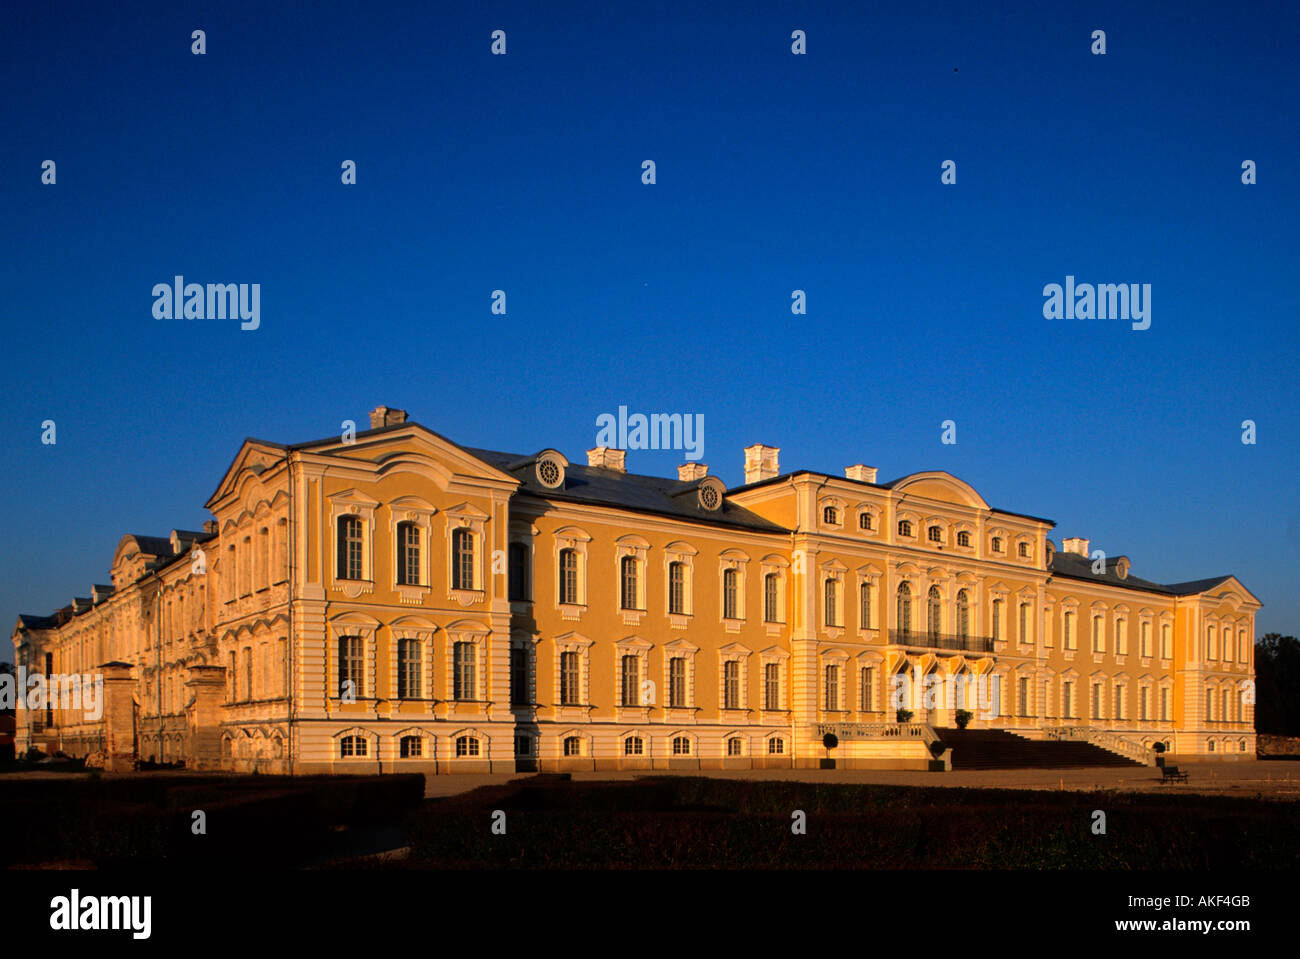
{"points": [[998, 749]]}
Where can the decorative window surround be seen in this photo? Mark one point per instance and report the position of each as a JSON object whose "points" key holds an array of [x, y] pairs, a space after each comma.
{"points": [[411, 627], [733, 559], [573, 643], [679, 648], [640, 648], [412, 509], [733, 652], [685, 554], [571, 537], [354, 503], [350, 624]]}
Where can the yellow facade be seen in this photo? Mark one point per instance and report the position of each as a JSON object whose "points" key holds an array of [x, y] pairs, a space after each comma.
{"points": [[394, 601]]}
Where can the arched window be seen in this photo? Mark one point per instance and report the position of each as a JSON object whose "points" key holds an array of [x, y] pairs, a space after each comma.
{"points": [[467, 746], [831, 516], [904, 528], [633, 746], [904, 609], [568, 576], [963, 614], [1024, 551], [997, 544], [730, 594], [353, 746], [932, 612], [934, 534], [865, 589], [677, 587], [350, 545], [832, 602], [411, 747], [462, 567], [408, 554], [771, 607], [864, 521], [963, 538], [681, 746], [733, 746], [572, 746], [628, 591]]}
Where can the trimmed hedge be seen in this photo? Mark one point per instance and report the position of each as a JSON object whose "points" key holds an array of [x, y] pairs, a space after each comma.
{"points": [[735, 824], [250, 821]]}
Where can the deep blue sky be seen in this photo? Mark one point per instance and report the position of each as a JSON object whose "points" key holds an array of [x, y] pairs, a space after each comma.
{"points": [[775, 172]]}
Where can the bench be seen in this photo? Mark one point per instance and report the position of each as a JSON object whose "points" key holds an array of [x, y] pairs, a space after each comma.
{"points": [[1172, 774]]}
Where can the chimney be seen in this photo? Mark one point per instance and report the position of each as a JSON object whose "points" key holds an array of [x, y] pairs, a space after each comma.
{"points": [[761, 462], [382, 416], [1075, 545], [689, 472], [866, 474], [607, 458]]}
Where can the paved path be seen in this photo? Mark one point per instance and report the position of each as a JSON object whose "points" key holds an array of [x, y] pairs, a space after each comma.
{"points": [[1270, 779]]}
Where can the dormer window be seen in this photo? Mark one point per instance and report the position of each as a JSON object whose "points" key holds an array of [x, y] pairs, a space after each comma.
{"points": [[905, 528]]}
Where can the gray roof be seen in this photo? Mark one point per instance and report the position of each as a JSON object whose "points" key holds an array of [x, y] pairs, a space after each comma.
{"points": [[1074, 566], [631, 491]]}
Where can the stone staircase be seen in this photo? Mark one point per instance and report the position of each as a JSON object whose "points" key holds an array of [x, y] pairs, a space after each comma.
{"points": [[996, 749]]}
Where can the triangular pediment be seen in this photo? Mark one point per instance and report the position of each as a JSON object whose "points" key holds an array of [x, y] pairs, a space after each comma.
{"points": [[255, 457]]}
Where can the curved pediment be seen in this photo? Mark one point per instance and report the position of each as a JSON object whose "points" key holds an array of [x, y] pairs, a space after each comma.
{"points": [[941, 486]]}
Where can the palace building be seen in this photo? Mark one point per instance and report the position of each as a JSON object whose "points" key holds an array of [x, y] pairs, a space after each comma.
{"points": [[392, 601]]}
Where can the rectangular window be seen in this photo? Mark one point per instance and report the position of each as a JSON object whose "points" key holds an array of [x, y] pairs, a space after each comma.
{"points": [[519, 586], [631, 687], [568, 678], [771, 611], [772, 682], [1024, 624], [677, 588], [408, 668], [464, 661], [1164, 704], [1067, 700], [677, 682], [997, 619], [628, 591], [866, 606], [731, 684], [1071, 641], [868, 684], [1166, 642], [1144, 704], [832, 688], [832, 597], [518, 677], [462, 565], [408, 554], [350, 667], [1098, 636], [350, 546], [730, 594], [1146, 642], [568, 576], [1096, 700], [1024, 695], [1211, 650], [1119, 702]]}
